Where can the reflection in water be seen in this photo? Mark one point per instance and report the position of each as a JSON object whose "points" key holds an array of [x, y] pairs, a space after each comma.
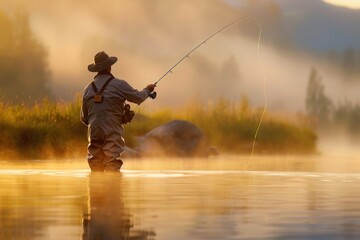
{"points": [[285, 203], [38, 206], [107, 217]]}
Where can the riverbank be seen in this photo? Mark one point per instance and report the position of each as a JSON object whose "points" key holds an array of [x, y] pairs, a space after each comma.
{"points": [[53, 130]]}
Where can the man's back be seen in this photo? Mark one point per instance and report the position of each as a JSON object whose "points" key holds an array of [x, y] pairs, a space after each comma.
{"points": [[114, 96]]}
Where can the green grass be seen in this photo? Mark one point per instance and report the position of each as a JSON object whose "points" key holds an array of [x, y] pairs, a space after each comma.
{"points": [[53, 129], [45, 130]]}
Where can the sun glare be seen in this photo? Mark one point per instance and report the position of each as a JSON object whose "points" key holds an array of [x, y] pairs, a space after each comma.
{"points": [[355, 4]]}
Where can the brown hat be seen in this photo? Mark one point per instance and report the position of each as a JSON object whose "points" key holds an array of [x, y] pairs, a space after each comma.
{"points": [[102, 62]]}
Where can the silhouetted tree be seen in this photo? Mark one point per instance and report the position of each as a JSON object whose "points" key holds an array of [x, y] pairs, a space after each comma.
{"points": [[25, 76], [318, 105]]}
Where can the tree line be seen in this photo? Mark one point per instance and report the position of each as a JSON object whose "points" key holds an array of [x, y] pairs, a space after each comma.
{"points": [[324, 114], [25, 75]]}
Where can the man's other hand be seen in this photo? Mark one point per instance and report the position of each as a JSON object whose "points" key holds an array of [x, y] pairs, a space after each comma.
{"points": [[151, 87]]}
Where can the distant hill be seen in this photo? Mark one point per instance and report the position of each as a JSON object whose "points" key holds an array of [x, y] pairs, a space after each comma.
{"points": [[316, 26]]}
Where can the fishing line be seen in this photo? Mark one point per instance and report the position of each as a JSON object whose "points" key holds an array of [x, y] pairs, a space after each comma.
{"points": [[263, 69], [239, 20]]}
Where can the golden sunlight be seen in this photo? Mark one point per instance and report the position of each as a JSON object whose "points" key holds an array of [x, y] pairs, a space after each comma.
{"points": [[355, 4]]}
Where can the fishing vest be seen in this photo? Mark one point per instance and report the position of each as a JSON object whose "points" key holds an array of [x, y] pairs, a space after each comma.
{"points": [[98, 98], [127, 113]]}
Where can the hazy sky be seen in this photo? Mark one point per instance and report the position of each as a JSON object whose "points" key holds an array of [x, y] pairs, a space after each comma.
{"points": [[345, 3]]}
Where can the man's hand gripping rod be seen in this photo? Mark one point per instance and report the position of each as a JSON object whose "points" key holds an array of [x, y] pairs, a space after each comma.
{"points": [[154, 94]]}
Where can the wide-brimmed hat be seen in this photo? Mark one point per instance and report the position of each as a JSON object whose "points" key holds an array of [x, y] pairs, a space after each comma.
{"points": [[102, 62]]}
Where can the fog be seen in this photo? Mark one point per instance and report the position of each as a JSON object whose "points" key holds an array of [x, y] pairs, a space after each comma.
{"points": [[149, 37]]}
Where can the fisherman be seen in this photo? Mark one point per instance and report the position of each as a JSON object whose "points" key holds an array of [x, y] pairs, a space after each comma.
{"points": [[102, 112]]}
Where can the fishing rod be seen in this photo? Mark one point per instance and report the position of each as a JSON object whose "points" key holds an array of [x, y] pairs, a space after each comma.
{"points": [[262, 66], [154, 94]]}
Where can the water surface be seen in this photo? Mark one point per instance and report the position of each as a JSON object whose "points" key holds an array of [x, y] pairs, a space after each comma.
{"points": [[272, 198]]}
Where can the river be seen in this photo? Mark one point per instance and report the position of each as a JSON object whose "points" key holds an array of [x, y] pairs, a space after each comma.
{"points": [[269, 197]]}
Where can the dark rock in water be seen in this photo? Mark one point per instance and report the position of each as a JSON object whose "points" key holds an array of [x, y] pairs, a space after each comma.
{"points": [[175, 138]]}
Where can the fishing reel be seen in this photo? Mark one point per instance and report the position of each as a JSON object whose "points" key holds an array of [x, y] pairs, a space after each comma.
{"points": [[153, 95]]}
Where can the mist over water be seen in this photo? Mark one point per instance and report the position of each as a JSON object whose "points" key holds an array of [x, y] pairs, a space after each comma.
{"points": [[228, 197], [279, 198]]}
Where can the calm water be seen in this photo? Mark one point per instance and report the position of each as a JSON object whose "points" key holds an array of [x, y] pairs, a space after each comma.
{"points": [[276, 198]]}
